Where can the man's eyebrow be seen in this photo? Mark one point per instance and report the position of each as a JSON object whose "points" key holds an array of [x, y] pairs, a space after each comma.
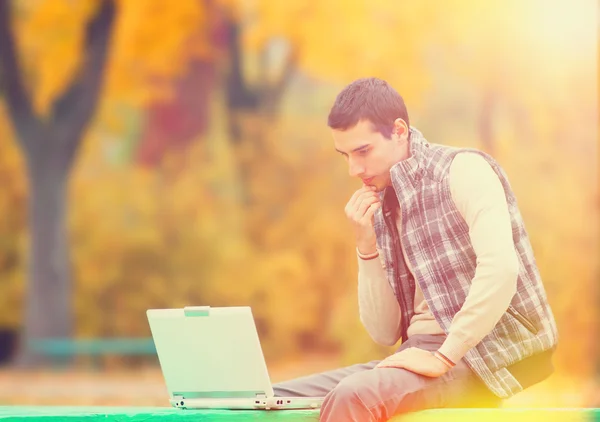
{"points": [[355, 149]]}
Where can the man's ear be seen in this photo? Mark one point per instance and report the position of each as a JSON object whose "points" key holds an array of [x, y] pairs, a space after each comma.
{"points": [[401, 128]]}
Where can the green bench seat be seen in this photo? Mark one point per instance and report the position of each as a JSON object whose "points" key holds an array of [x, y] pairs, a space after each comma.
{"points": [[150, 414]]}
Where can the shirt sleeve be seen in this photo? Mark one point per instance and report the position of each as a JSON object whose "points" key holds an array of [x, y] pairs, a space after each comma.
{"points": [[480, 198], [378, 307]]}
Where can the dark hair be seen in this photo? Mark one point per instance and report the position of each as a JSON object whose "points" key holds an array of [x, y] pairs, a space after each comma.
{"points": [[371, 99]]}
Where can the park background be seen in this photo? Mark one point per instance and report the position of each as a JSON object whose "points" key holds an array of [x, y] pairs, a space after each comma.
{"points": [[160, 153]]}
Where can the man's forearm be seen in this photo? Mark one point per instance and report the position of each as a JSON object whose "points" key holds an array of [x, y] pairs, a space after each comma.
{"points": [[488, 299], [378, 308]]}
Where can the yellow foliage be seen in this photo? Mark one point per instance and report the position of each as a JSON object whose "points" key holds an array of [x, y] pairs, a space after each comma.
{"points": [[180, 235], [337, 40], [50, 38], [152, 42], [13, 222]]}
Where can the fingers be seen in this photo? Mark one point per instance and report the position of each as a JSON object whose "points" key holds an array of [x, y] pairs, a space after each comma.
{"points": [[360, 194], [355, 195], [398, 359], [365, 204], [360, 202], [397, 366], [390, 364], [394, 361], [368, 216]]}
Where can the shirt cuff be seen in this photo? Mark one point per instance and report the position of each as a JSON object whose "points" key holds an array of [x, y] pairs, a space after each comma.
{"points": [[454, 348]]}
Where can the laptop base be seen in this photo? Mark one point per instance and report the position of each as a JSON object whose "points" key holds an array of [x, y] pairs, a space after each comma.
{"points": [[262, 403]]}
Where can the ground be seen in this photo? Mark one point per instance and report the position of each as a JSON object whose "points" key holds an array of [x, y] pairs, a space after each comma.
{"points": [[145, 386]]}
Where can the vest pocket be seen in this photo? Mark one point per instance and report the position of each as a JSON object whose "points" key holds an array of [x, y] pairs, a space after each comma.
{"points": [[522, 319]]}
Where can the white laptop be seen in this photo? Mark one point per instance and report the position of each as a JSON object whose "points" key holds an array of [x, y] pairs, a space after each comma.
{"points": [[211, 358]]}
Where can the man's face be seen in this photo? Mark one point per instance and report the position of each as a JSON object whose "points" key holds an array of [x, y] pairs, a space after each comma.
{"points": [[370, 155]]}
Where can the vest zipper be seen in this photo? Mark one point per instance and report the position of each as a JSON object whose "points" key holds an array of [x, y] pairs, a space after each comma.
{"points": [[523, 320]]}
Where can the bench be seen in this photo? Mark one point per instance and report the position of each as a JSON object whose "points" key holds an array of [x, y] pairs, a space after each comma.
{"points": [[64, 349], [163, 414]]}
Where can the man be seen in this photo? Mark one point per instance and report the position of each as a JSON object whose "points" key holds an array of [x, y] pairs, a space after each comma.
{"points": [[444, 264]]}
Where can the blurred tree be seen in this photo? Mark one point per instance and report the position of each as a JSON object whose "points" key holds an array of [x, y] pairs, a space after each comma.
{"points": [[171, 234], [52, 90], [49, 146], [530, 95], [173, 123], [270, 43]]}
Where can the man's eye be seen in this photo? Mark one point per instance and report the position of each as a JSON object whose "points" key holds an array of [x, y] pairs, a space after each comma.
{"points": [[363, 152]]}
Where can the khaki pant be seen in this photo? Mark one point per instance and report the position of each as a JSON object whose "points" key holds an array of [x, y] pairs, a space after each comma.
{"points": [[365, 393]]}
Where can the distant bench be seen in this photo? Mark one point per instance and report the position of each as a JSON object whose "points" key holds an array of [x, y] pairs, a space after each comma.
{"points": [[63, 349]]}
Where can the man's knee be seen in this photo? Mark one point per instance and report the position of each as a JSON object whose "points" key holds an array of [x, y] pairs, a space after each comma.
{"points": [[367, 396], [381, 393], [347, 401], [363, 389], [348, 389], [352, 390]]}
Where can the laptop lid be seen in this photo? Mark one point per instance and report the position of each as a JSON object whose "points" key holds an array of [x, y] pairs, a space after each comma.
{"points": [[209, 352]]}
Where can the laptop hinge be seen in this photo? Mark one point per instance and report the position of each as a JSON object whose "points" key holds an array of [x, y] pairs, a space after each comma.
{"points": [[217, 394]]}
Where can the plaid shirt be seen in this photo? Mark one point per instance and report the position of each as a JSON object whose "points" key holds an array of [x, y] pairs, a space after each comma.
{"points": [[434, 250]]}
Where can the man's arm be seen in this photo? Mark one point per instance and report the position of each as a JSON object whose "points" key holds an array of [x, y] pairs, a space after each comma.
{"points": [[378, 308], [481, 200], [377, 304]]}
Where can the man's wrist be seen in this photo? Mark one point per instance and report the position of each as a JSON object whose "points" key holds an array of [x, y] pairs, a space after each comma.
{"points": [[366, 248], [367, 256], [444, 359]]}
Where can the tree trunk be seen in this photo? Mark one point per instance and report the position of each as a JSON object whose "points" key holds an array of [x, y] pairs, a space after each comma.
{"points": [[252, 110], [48, 311], [50, 147]]}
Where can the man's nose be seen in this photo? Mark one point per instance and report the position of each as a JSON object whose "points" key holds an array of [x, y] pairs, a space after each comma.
{"points": [[355, 169]]}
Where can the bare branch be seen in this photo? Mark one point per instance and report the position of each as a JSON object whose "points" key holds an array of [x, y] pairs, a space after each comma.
{"points": [[239, 95], [75, 108], [276, 91], [19, 105]]}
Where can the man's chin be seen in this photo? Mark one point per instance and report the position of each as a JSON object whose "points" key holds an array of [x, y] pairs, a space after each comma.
{"points": [[379, 186]]}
